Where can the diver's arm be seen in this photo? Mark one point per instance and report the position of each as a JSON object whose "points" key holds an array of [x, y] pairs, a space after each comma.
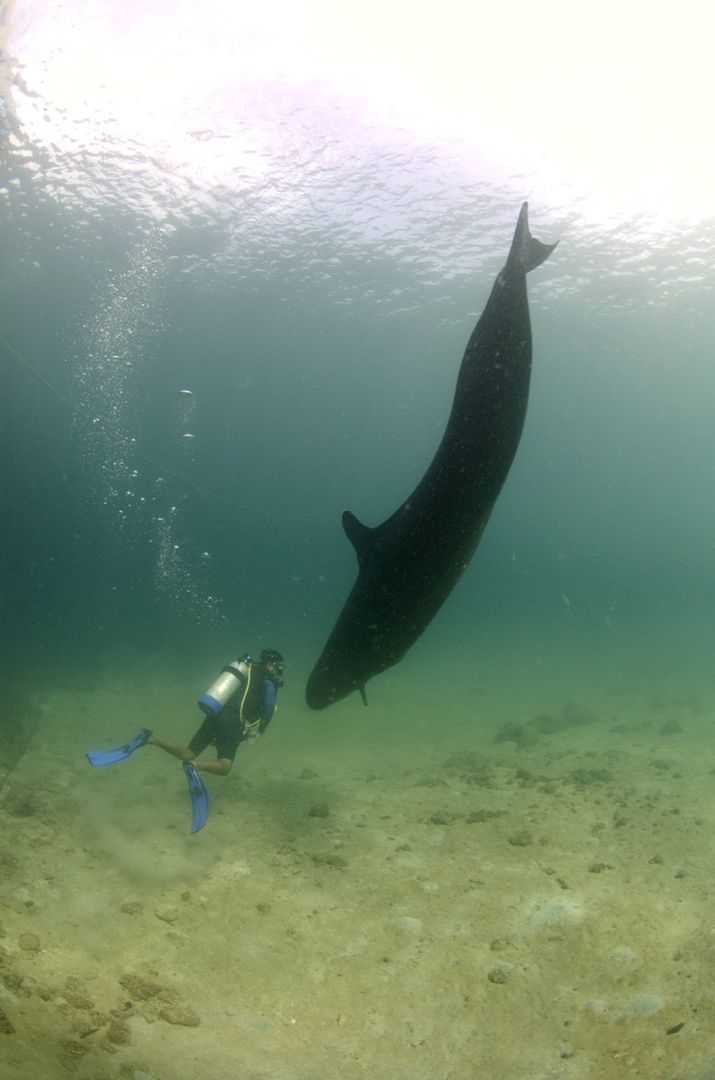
{"points": [[269, 705]]}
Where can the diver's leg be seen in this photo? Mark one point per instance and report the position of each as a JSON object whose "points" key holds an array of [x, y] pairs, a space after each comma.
{"points": [[221, 767], [183, 753]]}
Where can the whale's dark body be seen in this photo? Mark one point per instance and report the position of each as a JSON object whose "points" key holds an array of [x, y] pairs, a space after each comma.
{"points": [[410, 563]]}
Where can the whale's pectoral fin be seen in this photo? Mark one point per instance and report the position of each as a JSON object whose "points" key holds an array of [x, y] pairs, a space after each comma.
{"points": [[359, 535]]}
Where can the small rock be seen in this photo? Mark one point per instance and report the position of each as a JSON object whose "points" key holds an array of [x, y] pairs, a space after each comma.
{"points": [[78, 1001], [585, 777], [579, 715], [516, 733], [6, 1026], [118, 1033], [132, 907], [76, 1049], [465, 760], [15, 982], [321, 810], [22, 803], [479, 816], [548, 724], [180, 1015], [85, 1024], [623, 955], [646, 1005], [405, 924], [521, 839], [29, 943], [139, 988], [167, 916], [559, 913], [336, 861]]}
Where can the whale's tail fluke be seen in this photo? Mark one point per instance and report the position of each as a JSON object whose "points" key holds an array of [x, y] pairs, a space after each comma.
{"points": [[526, 251]]}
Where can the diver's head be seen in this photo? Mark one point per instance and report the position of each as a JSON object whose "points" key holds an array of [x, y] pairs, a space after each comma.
{"points": [[271, 658]]}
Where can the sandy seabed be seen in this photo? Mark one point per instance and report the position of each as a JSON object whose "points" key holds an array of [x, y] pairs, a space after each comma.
{"points": [[518, 892]]}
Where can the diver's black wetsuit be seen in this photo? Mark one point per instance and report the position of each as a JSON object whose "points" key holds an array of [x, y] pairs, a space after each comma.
{"points": [[249, 711]]}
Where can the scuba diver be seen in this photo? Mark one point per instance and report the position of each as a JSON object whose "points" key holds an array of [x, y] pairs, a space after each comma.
{"points": [[237, 707]]}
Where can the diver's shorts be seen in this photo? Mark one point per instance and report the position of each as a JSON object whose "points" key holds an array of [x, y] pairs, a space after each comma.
{"points": [[223, 732]]}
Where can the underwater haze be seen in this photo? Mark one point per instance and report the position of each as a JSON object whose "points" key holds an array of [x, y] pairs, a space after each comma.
{"points": [[241, 254]]}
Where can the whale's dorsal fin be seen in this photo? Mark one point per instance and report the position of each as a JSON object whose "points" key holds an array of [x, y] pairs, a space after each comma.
{"points": [[359, 535]]}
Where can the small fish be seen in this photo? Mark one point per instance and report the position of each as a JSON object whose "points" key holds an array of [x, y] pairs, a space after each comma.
{"points": [[186, 393]]}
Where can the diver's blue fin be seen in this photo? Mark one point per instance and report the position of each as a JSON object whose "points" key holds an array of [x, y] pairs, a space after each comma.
{"points": [[200, 799], [111, 757]]}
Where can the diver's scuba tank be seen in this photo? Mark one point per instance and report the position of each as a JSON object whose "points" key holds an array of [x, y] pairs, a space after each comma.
{"points": [[222, 690]]}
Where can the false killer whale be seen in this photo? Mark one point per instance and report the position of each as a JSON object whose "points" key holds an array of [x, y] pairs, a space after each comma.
{"points": [[408, 565]]}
